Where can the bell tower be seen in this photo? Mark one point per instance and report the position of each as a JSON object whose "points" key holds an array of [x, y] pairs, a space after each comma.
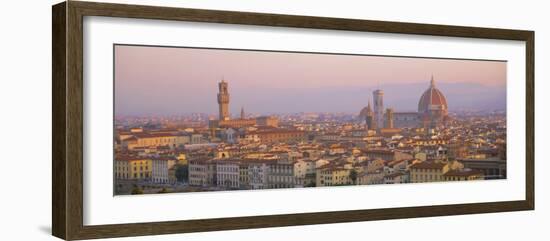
{"points": [[378, 97], [371, 122], [223, 100]]}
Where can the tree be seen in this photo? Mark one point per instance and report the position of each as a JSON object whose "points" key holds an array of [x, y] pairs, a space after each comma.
{"points": [[137, 190], [182, 173], [353, 176]]}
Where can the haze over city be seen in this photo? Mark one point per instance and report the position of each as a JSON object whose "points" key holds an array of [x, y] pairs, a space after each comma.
{"points": [[167, 81]]}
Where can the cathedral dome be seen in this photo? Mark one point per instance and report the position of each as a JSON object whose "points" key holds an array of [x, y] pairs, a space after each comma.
{"points": [[366, 111], [363, 112], [432, 100]]}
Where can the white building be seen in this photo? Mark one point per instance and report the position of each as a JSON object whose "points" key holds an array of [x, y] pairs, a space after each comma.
{"points": [[160, 167], [227, 174]]}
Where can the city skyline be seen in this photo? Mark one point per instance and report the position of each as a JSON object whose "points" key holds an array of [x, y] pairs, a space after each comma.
{"points": [[171, 81], [394, 136]]}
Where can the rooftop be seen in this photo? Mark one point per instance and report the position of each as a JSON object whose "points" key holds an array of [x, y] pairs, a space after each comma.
{"points": [[428, 165], [463, 173]]}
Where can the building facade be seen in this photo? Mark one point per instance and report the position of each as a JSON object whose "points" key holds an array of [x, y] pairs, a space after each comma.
{"points": [[430, 171], [160, 169], [145, 139], [133, 168], [228, 174], [277, 135], [463, 175], [280, 174], [257, 174], [198, 175]]}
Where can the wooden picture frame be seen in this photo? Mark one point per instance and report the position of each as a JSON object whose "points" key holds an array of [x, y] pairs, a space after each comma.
{"points": [[67, 124]]}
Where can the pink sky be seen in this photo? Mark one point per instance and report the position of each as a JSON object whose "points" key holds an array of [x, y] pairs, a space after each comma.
{"points": [[164, 80]]}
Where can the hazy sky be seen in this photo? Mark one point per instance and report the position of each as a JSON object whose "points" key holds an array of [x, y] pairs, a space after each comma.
{"points": [[164, 81]]}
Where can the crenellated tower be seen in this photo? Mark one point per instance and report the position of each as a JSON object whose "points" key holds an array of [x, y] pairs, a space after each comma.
{"points": [[223, 100]]}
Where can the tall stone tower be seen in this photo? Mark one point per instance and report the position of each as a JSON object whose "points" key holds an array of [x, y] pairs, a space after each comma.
{"points": [[223, 100], [242, 113], [378, 98], [389, 118], [371, 122]]}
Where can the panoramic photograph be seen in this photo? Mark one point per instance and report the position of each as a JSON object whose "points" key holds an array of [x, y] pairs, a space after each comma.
{"points": [[192, 119]]}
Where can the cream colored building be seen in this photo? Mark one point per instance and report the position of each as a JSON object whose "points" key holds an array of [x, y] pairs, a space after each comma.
{"points": [[371, 177], [428, 171], [141, 140], [329, 175], [133, 168], [463, 175]]}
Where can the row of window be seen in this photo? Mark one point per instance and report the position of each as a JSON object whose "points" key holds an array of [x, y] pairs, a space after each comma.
{"points": [[429, 177], [135, 176], [427, 170], [158, 141], [227, 169]]}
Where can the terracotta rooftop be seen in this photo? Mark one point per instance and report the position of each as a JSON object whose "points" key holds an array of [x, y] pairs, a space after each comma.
{"points": [[463, 173], [395, 174], [428, 165], [130, 158]]}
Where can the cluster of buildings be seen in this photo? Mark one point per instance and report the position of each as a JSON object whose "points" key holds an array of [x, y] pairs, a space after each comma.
{"points": [[432, 112], [150, 156], [154, 169], [315, 150], [323, 164]]}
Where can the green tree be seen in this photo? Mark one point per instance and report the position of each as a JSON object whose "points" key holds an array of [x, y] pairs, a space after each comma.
{"points": [[182, 173], [137, 190], [353, 176]]}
